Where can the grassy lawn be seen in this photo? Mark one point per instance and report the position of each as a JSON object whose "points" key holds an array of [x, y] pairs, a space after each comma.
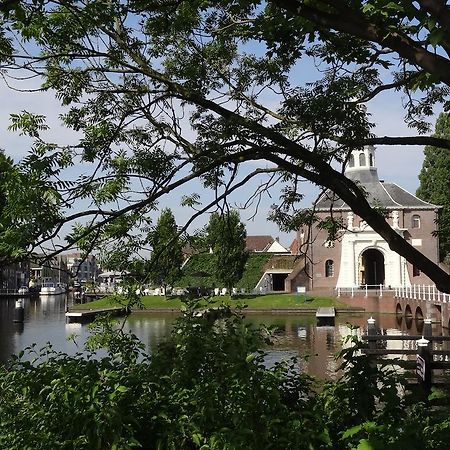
{"points": [[269, 301]]}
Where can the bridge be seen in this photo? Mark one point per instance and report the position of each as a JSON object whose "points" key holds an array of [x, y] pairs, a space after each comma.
{"points": [[421, 301], [412, 302]]}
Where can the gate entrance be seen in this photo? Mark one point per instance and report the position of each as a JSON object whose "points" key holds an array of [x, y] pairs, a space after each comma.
{"points": [[372, 268], [278, 280]]}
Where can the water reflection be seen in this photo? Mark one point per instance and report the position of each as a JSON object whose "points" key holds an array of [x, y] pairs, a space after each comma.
{"points": [[297, 335]]}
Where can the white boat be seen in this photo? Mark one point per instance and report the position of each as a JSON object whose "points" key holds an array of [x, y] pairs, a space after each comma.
{"points": [[23, 290], [49, 287]]}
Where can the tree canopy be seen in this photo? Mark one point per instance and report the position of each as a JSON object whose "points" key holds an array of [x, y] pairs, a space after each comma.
{"points": [[226, 237], [164, 267], [162, 93], [435, 183]]}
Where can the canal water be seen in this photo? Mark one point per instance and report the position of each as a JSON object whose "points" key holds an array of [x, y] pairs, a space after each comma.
{"points": [[297, 335]]}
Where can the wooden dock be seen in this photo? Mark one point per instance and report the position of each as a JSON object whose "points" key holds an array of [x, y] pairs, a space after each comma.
{"points": [[82, 315], [325, 315]]}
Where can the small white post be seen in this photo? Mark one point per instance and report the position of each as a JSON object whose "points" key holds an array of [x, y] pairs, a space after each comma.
{"points": [[371, 332]]}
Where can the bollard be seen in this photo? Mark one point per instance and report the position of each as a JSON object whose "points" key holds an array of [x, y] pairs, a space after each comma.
{"points": [[19, 311], [371, 332], [423, 368]]}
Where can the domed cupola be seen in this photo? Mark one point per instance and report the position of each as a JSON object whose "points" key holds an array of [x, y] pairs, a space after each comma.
{"points": [[361, 165]]}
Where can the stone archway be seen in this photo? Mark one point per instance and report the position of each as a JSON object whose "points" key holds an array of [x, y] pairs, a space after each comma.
{"points": [[372, 267]]}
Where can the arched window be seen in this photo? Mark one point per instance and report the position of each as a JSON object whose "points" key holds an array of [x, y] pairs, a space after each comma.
{"points": [[415, 221], [329, 268], [351, 161], [371, 160], [362, 160], [416, 271]]}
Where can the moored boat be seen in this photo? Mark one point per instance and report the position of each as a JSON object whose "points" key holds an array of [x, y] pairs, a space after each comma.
{"points": [[49, 287]]}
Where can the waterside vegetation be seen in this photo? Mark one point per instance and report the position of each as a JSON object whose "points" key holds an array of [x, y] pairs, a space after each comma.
{"points": [[207, 387]]}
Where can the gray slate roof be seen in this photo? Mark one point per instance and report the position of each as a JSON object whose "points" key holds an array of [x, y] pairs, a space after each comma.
{"points": [[387, 195]]}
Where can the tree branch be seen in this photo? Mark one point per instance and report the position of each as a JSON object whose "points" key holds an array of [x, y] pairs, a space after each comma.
{"points": [[439, 10], [407, 48], [408, 140]]}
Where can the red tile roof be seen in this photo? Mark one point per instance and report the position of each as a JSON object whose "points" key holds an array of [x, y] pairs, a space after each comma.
{"points": [[294, 247]]}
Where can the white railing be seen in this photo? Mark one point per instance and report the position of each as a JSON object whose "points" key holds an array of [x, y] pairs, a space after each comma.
{"points": [[422, 292], [365, 289]]}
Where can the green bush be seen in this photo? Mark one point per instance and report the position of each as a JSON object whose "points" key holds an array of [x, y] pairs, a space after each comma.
{"points": [[205, 387], [203, 264]]}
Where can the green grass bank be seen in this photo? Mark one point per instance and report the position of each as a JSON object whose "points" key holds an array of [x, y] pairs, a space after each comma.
{"points": [[261, 302]]}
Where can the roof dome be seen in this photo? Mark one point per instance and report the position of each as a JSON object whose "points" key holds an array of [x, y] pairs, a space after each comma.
{"points": [[361, 165]]}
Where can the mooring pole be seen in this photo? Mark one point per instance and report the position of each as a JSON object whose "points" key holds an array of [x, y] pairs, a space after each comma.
{"points": [[371, 332], [423, 368], [19, 311], [427, 328]]}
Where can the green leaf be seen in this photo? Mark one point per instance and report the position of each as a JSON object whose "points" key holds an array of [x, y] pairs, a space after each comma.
{"points": [[436, 36], [197, 439], [352, 431], [365, 444], [250, 358]]}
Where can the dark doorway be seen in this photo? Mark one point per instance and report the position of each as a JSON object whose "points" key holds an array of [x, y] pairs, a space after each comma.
{"points": [[373, 267], [278, 281]]}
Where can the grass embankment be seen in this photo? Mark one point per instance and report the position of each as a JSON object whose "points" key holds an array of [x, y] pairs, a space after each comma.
{"points": [[260, 302]]}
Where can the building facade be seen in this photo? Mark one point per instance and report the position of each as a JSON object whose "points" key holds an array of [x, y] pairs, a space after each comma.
{"points": [[81, 267], [360, 256], [13, 276]]}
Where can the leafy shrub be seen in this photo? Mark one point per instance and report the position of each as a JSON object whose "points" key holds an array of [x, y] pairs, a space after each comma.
{"points": [[207, 387]]}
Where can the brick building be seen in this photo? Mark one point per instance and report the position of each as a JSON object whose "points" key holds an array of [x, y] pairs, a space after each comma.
{"points": [[360, 256]]}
